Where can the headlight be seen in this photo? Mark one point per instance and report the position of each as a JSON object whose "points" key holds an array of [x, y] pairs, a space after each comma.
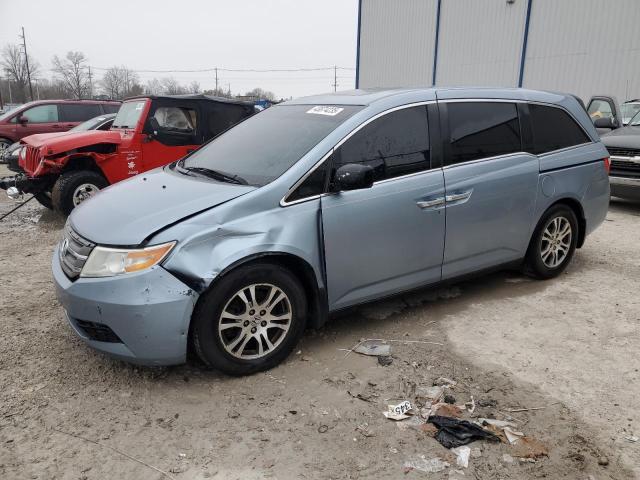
{"points": [[107, 262]]}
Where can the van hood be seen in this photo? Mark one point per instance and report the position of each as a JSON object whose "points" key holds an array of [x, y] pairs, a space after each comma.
{"points": [[63, 142], [627, 137], [129, 212]]}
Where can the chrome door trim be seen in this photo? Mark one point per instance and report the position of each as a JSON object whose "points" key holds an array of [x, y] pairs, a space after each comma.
{"points": [[458, 197]]}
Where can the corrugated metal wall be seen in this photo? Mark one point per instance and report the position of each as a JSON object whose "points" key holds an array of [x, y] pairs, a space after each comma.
{"points": [[397, 42], [480, 42], [584, 47]]}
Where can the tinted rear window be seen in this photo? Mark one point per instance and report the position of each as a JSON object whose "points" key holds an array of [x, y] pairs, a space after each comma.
{"points": [[481, 130], [79, 112], [553, 129], [110, 108]]}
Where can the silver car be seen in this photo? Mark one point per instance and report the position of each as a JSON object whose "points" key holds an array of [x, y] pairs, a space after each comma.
{"points": [[323, 203]]}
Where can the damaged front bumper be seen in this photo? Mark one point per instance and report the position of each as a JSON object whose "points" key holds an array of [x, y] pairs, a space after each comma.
{"points": [[141, 318], [24, 184]]}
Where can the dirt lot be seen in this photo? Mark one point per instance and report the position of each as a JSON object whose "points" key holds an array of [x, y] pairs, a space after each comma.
{"points": [[566, 348]]}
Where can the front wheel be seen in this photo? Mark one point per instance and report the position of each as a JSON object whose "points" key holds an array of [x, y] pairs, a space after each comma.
{"points": [[554, 243], [73, 188], [251, 320], [44, 199]]}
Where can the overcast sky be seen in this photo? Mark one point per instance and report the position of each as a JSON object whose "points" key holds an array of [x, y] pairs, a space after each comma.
{"points": [[196, 34]]}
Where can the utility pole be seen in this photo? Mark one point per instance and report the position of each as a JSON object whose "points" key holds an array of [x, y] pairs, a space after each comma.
{"points": [[229, 89], [216, 80], [1, 104], [26, 61], [10, 95], [37, 87], [90, 84], [335, 78]]}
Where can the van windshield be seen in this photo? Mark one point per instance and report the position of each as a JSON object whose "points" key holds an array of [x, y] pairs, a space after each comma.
{"points": [[129, 114], [264, 146]]}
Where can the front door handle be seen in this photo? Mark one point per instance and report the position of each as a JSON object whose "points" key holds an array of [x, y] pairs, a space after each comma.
{"points": [[435, 202], [459, 196]]}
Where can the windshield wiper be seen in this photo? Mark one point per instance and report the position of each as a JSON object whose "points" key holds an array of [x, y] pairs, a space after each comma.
{"points": [[216, 175]]}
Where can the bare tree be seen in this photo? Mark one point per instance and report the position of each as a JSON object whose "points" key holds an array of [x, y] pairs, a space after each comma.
{"points": [[120, 82], [194, 87], [259, 93], [171, 86], [74, 74], [153, 87], [12, 61]]}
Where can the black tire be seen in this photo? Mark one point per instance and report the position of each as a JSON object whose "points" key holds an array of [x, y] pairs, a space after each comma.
{"points": [[44, 199], [63, 190], [534, 263], [206, 337]]}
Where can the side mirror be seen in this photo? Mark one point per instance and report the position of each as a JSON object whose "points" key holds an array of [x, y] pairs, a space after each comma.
{"points": [[22, 119], [605, 122], [155, 126], [354, 176]]}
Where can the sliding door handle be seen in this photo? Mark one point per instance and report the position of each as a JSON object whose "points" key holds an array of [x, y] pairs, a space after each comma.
{"points": [[459, 197], [436, 202]]}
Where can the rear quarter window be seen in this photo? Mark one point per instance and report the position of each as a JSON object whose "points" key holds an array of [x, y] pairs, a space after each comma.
{"points": [[553, 129], [78, 112]]}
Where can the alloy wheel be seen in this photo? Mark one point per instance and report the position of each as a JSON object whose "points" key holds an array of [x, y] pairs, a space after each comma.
{"points": [[556, 242], [255, 321]]}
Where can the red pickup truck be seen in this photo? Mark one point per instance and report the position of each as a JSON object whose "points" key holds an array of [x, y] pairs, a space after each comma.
{"points": [[148, 132], [47, 116]]}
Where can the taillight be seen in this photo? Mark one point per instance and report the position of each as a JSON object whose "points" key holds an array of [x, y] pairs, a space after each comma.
{"points": [[607, 165]]}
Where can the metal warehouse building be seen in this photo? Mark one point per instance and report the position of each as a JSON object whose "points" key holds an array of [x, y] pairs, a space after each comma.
{"points": [[584, 47]]}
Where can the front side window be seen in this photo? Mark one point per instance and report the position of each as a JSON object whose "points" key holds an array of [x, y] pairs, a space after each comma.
{"points": [[176, 119], [629, 110], [600, 109], [553, 129], [264, 146], [482, 130], [395, 144], [42, 114]]}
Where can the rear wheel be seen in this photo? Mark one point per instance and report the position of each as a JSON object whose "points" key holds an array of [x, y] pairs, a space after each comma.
{"points": [[73, 188], [4, 144], [554, 242], [251, 320]]}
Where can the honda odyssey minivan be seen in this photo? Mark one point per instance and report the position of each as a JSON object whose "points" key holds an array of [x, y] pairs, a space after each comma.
{"points": [[322, 203]]}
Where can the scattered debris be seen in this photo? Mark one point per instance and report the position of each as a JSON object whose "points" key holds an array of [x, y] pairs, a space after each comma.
{"points": [[429, 395], [454, 433], [449, 399], [383, 340], [506, 458], [365, 397], [364, 430], [530, 448], [399, 411], [488, 402], [462, 454], [471, 406], [373, 348], [445, 382], [476, 452], [385, 361], [603, 461], [446, 410], [429, 428], [323, 429], [512, 435], [632, 438], [421, 464]]}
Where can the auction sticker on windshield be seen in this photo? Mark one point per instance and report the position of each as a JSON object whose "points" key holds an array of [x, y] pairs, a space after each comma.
{"points": [[325, 110]]}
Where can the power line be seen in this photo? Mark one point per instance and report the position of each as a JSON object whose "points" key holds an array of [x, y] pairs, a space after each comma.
{"points": [[237, 70]]}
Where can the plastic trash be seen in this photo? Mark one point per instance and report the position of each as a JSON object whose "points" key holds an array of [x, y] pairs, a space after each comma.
{"points": [[462, 454], [373, 348], [399, 411], [454, 432], [433, 465]]}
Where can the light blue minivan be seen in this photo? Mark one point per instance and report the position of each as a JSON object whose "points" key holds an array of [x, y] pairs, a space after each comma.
{"points": [[322, 203]]}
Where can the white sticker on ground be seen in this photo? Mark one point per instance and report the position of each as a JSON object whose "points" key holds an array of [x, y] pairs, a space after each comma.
{"points": [[325, 110]]}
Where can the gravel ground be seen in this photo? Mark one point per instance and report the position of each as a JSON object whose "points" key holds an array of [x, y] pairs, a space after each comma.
{"points": [[564, 349]]}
